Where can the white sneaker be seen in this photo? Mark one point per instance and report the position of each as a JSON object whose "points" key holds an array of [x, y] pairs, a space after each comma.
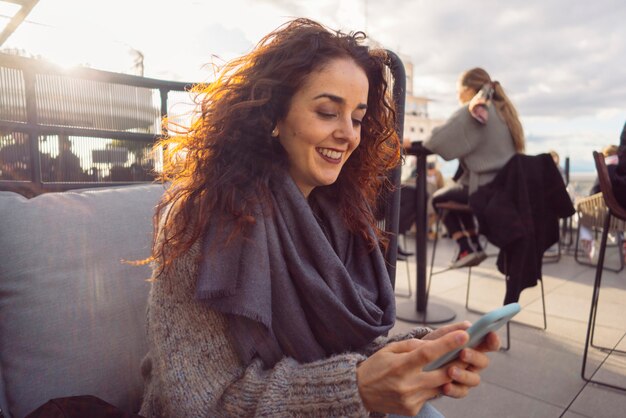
{"points": [[467, 259]]}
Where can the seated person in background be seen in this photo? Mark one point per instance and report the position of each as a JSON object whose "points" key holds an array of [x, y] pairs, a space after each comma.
{"points": [[586, 238], [66, 166], [434, 182], [270, 294], [483, 134], [611, 160], [619, 176], [408, 203], [557, 161]]}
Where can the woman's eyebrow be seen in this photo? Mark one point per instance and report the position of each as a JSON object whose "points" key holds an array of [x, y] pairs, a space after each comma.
{"points": [[337, 99]]}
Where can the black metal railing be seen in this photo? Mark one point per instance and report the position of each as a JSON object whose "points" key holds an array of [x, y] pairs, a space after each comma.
{"points": [[67, 129]]}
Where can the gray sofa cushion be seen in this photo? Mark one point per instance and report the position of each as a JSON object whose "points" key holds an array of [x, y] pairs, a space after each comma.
{"points": [[72, 312]]}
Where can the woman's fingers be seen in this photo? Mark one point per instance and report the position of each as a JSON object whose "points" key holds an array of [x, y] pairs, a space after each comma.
{"points": [[446, 329], [462, 381], [491, 342], [403, 346], [475, 359], [432, 350], [454, 390], [463, 376]]}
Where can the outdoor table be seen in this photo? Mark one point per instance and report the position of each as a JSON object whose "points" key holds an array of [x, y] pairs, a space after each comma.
{"points": [[421, 311]]}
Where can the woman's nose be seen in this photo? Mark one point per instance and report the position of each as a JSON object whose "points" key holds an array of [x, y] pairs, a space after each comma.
{"points": [[347, 130]]}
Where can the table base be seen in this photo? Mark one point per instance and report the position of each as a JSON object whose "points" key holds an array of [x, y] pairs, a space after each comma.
{"points": [[434, 313]]}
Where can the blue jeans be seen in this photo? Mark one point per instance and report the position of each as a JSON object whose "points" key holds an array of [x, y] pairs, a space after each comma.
{"points": [[427, 411]]}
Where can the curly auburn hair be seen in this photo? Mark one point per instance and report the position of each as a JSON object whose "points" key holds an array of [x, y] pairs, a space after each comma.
{"points": [[222, 165]]}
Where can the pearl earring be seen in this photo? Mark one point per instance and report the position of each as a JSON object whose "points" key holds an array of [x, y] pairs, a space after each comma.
{"points": [[275, 132]]}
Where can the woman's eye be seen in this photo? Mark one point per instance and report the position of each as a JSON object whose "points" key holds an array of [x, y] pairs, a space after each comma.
{"points": [[357, 122], [327, 115]]}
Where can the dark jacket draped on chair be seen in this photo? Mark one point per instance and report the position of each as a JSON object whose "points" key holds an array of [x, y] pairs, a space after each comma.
{"points": [[519, 212]]}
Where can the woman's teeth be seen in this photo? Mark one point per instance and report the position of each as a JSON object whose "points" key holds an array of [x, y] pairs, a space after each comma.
{"points": [[335, 155]]}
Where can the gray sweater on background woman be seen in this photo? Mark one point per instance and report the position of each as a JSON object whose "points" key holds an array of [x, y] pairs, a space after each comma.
{"points": [[482, 150], [193, 370]]}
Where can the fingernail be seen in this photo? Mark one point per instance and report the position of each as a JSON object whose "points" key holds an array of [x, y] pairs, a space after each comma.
{"points": [[455, 372], [460, 338]]}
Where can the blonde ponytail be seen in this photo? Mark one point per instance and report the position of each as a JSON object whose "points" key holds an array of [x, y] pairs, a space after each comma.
{"points": [[476, 78], [509, 114]]}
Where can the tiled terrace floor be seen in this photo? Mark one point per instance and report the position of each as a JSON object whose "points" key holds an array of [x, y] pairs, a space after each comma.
{"points": [[540, 375]]}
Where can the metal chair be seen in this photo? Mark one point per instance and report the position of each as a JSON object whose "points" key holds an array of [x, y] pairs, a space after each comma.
{"points": [[614, 220], [409, 294], [389, 202], [443, 209], [565, 239], [591, 212]]}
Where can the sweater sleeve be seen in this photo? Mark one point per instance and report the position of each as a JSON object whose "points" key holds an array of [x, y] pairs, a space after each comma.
{"points": [[452, 139], [192, 368], [382, 341]]}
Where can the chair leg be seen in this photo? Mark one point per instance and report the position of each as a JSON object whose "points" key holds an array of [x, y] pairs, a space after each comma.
{"points": [[432, 256], [593, 310], [543, 303], [408, 275], [566, 236], [620, 244], [469, 280], [508, 337], [408, 268], [577, 242]]}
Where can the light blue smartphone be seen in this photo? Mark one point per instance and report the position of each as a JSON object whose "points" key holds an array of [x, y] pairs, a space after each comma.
{"points": [[491, 321]]}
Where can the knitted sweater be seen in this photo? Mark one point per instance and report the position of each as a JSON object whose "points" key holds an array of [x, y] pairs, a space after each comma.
{"points": [[192, 368], [482, 150]]}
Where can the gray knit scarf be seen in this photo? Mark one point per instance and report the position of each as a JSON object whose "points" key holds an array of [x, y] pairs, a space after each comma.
{"points": [[299, 284]]}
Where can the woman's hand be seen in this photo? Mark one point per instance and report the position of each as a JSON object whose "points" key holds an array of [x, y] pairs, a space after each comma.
{"points": [[392, 380], [464, 371]]}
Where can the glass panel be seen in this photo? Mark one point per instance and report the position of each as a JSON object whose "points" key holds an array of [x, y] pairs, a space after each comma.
{"points": [[94, 160], [15, 161], [64, 101], [12, 95]]}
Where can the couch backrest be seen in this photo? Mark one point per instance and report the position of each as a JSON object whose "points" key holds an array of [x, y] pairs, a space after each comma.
{"points": [[72, 312]]}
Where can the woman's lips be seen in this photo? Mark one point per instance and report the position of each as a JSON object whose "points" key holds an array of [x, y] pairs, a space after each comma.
{"points": [[330, 155]]}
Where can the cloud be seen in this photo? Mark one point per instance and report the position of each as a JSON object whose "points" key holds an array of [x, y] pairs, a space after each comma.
{"points": [[558, 58]]}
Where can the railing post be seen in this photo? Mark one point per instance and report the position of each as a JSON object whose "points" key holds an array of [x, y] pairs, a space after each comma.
{"points": [[30, 91]]}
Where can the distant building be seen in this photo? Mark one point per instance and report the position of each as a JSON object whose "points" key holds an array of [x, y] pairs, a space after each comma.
{"points": [[417, 123]]}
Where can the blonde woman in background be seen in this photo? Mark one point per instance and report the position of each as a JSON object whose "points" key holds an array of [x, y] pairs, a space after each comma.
{"points": [[483, 135]]}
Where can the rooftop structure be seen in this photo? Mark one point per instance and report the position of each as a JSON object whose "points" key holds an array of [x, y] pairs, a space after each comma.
{"points": [[12, 14]]}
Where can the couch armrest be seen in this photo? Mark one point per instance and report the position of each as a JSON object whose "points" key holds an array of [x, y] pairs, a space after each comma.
{"points": [[73, 312]]}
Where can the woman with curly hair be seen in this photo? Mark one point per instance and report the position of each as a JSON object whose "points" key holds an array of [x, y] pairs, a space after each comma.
{"points": [[270, 295]]}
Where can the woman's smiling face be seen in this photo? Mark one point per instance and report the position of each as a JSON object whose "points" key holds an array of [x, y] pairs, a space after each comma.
{"points": [[323, 124]]}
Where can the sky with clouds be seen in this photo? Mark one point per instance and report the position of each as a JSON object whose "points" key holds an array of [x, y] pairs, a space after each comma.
{"points": [[562, 62]]}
